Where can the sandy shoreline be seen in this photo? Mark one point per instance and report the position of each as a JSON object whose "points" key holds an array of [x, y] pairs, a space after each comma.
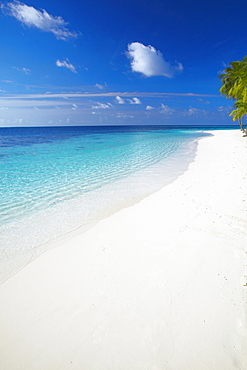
{"points": [[160, 285]]}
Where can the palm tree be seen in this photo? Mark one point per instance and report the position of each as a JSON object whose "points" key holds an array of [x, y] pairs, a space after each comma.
{"points": [[234, 86], [229, 80], [239, 113], [234, 80]]}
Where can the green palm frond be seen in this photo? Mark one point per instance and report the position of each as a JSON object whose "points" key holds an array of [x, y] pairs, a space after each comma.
{"points": [[234, 86]]}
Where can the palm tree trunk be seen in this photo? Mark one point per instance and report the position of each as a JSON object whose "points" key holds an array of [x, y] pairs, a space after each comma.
{"points": [[244, 130], [240, 124]]}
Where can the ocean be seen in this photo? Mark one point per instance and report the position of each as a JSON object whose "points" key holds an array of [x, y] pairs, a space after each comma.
{"points": [[55, 181]]}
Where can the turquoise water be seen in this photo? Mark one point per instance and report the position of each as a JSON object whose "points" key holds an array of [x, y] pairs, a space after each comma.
{"points": [[59, 179]]}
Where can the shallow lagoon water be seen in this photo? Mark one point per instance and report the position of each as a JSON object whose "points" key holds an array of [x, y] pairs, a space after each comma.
{"points": [[58, 180]]}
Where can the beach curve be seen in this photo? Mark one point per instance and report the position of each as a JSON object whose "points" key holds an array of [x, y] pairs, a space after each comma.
{"points": [[159, 285]]}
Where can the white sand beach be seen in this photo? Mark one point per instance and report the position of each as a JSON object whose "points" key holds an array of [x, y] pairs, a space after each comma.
{"points": [[160, 285]]}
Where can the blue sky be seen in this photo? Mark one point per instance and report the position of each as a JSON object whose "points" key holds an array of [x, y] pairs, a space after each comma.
{"points": [[105, 62]]}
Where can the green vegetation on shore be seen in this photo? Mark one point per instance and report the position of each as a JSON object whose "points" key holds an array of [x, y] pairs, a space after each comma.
{"points": [[234, 86]]}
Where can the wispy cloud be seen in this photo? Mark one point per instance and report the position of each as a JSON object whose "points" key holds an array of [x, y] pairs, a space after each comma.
{"points": [[102, 106], [101, 87], [149, 107], [166, 110], [117, 95], [203, 101], [194, 111], [41, 103], [150, 62], [226, 109], [66, 63], [122, 115], [24, 70], [31, 17]]}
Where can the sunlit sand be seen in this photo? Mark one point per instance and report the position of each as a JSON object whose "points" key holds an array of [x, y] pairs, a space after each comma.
{"points": [[159, 285]]}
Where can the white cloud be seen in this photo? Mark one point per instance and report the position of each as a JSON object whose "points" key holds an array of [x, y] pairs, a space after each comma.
{"points": [[66, 63], [149, 107], [121, 115], [226, 109], [166, 110], [119, 100], [102, 106], [40, 19], [150, 62], [25, 70], [203, 101], [135, 101], [101, 87], [194, 111], [67, 95]]}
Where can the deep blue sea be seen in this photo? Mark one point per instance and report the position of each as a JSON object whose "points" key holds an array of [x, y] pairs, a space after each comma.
{"points": [[54, 180]]}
